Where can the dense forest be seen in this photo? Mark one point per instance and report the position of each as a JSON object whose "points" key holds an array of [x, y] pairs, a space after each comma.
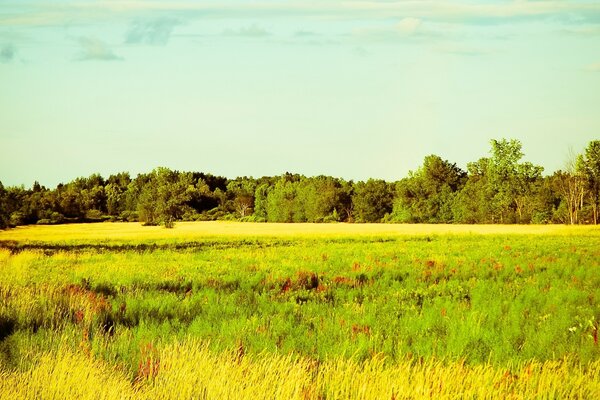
{"points": [[501, 188]]}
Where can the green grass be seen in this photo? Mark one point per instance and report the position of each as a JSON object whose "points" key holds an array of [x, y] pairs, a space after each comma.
{"points": [[482, 299]]}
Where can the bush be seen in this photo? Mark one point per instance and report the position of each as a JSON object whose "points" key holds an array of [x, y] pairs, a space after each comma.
{"points": [[57, 218], [93, 215], [129, 216], [252, 218], [540, 218], [16, 218]]}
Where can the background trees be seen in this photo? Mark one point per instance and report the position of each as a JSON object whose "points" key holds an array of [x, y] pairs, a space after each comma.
{"points": [[4, 216], [372, 200], [427, 195], [591, 172], [500, 188]]}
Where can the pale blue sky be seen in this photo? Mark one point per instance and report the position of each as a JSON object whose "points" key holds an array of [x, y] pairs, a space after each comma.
{"points": [[354, 89]]}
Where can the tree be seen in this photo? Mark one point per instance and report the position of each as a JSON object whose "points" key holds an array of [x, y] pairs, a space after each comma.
{"points": [[571, 185], [427, 195], [316, 199], [163, 198], [372, 200], [280, 201], [526, 184], [260, 201], [499, 188], [242, 190], [115, 191], [4, 212], [502, 170], [591, 171]]}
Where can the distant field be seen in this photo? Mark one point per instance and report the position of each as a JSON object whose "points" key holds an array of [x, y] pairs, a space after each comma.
{"points": [[241, 310], [199, 230]]}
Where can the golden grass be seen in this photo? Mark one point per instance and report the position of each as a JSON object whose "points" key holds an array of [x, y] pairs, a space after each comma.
{"points": [[199, 230], [188, 370]]}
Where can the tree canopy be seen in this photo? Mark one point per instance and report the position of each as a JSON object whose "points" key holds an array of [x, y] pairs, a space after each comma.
{"points": [[499, 188]]}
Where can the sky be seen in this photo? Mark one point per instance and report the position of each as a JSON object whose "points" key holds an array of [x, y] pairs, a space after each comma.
{"points": [[352, 89]]}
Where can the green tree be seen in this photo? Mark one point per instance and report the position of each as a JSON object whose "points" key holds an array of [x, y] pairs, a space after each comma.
{"points": [[372, 200], [471, 205], [571, 185], [115, 191], [4, 211], [502, 173], [591, 170], [260, 201], [280, 201], [499, 189], [526, 185], [163, 198], [242, 191], [427, 195]]}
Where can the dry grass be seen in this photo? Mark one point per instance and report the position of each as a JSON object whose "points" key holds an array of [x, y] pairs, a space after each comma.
{"points": [[188, 370], [200, 230]]}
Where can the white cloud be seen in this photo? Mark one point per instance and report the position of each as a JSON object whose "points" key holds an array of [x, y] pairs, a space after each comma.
{"points": [[408, 26], [95, 49]]}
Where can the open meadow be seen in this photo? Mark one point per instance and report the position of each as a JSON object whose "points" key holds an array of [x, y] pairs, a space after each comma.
{"points": [[220, 310]]}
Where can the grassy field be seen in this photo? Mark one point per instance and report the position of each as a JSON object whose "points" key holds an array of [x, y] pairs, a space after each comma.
{"points": [[230, 310]]}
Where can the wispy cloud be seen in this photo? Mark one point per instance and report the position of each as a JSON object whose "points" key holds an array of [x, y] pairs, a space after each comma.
{"points": [[156, 32], [252, 31], [8, 53], [95, 49], [586, 30], [461, 11], [408, 28]]}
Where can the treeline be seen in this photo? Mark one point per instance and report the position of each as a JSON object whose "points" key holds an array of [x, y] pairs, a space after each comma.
{"points": [[500, 188]]}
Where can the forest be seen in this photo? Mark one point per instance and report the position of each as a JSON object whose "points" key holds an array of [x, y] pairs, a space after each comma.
{"points": [[501, 188]]}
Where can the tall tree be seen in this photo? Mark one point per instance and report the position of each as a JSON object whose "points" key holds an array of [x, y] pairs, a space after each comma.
{"points": [[372, 200], [115, 191], [591, 169], [427, 195], [503, 171], [242, 191], [163, 199], [571, 185], [260, 201], [4, 212]]}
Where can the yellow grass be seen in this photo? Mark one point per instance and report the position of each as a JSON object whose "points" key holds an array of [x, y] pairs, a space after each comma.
{"points": [[200, 230], [188, 370]]}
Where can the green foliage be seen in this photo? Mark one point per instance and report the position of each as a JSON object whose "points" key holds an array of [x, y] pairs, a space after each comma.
{"points": [[591, 170], [372, 200], [497, 189], [427, 195], [163, 198], [5, 215]]}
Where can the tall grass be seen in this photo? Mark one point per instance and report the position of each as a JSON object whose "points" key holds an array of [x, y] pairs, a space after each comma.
{"points": [[329, 312], [190, 370]]}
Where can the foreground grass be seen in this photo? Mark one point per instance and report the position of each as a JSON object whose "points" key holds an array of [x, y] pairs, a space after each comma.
{"points": [[191, 370], [226, 310]]}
